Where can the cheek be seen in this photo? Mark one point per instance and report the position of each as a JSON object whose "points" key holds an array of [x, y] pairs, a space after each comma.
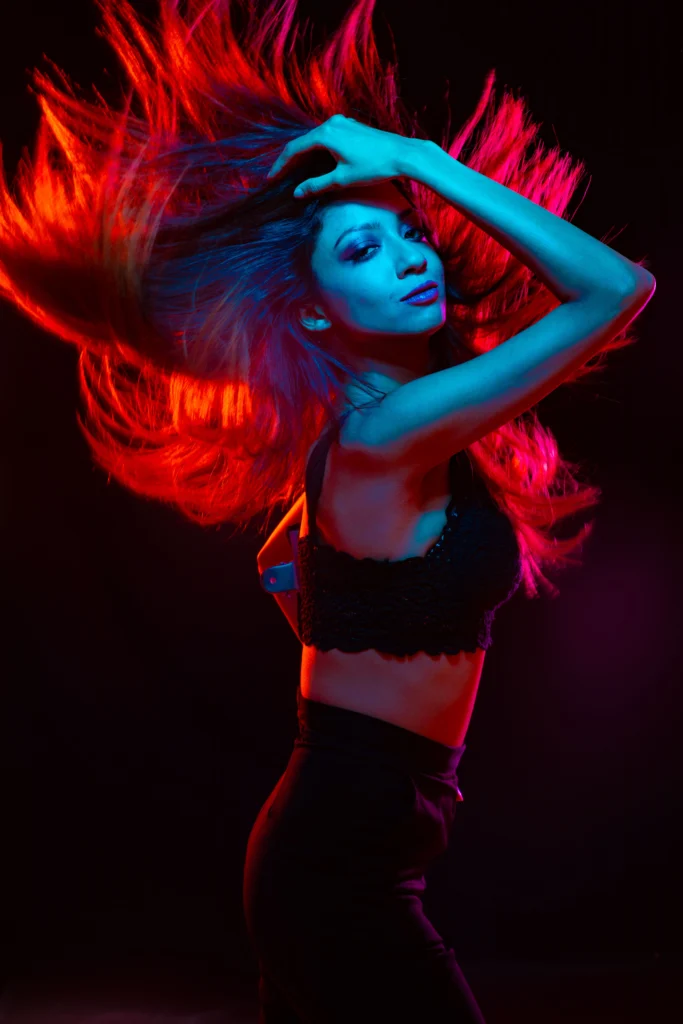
{"points": [[367, 306], [348, 300], [355, 297]]}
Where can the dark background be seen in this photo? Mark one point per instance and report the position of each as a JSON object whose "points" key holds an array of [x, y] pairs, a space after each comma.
{"points": [[148, 697]]}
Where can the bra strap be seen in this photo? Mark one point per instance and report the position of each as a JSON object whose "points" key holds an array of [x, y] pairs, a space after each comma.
{"points": [[315, 470]]}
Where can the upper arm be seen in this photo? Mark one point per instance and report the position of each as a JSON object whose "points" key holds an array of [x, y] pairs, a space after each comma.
{"points": [[424, 422]]}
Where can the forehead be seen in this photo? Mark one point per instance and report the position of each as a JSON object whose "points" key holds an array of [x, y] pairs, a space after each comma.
{"points": [[351, 203]]}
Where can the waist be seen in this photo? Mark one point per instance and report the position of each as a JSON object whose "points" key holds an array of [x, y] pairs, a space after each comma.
{"points": [[432, 696], [331, 726]]}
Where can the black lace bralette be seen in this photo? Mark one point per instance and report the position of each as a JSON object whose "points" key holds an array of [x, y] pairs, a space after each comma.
{"points": [[441, 602]]}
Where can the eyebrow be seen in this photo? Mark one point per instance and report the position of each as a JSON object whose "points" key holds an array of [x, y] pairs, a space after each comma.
{"points": [[375, 224]]}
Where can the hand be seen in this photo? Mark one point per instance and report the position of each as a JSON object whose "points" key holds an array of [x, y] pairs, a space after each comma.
{"points": [[365, 155]]}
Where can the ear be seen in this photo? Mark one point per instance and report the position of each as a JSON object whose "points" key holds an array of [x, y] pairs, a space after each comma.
{"points": [[314, 319]]}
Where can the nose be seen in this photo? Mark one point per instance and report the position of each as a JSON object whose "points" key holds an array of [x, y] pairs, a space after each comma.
{"points": [[416, 264]]}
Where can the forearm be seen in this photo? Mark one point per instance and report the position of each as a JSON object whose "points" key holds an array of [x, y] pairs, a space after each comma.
{"points": [[570, 262], [277, 547], [288, 603]]}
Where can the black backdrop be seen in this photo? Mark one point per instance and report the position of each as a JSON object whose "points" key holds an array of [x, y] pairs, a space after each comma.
{"points": [[148, 692]]}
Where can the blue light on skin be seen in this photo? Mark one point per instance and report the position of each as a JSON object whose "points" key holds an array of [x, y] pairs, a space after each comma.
{"points": [[362, 277]]}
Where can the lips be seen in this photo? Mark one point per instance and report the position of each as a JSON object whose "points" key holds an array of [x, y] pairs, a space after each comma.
{"points": [[420, 288]]}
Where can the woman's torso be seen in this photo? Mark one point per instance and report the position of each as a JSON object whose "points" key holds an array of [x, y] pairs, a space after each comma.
{"points": [[390, 516]]}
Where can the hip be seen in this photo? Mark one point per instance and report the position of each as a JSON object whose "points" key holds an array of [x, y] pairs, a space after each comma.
{"points": [[360, 799]]}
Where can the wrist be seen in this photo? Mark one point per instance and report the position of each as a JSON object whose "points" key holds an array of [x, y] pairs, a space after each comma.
{"points": [[413, 156]]}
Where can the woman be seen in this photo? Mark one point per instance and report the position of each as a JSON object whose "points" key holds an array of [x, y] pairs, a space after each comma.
{"points": [[395, 607], [241, 345]]}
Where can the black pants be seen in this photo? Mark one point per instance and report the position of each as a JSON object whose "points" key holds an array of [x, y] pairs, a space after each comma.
{"points": [[334, 874]]}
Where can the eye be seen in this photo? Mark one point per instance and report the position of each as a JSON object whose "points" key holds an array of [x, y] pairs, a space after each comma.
{"points": [[358, 258]]}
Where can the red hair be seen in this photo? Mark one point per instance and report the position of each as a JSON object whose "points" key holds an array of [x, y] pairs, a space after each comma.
{"points": [[149, 237]]}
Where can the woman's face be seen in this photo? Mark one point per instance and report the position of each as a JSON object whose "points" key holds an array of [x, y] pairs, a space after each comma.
{"points": [[363, 273]]}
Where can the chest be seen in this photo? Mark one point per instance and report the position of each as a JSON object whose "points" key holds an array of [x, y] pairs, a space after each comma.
{"points": [[381, 515]]}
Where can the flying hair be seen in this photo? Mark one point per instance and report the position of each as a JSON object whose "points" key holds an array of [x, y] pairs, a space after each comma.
{"points": [[146, 234]]}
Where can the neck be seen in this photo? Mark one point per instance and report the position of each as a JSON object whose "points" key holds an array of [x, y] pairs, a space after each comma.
{"points": [[389, 367]]}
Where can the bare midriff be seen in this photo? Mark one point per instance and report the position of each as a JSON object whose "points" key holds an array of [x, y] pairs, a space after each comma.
{"points": [[368, 514], [432, 695]]}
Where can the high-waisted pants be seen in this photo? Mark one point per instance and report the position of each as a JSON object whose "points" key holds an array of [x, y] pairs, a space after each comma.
{"points": [[334, 873]]}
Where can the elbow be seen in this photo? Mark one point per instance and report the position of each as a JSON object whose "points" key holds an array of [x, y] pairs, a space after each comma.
{"points": [[641, 286], [633, 292], [634, 288]]}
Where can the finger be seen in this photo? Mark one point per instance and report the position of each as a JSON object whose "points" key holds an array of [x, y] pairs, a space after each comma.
{"points": [[321, 184], [289, 153], [285, 160], [292, 150]]}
